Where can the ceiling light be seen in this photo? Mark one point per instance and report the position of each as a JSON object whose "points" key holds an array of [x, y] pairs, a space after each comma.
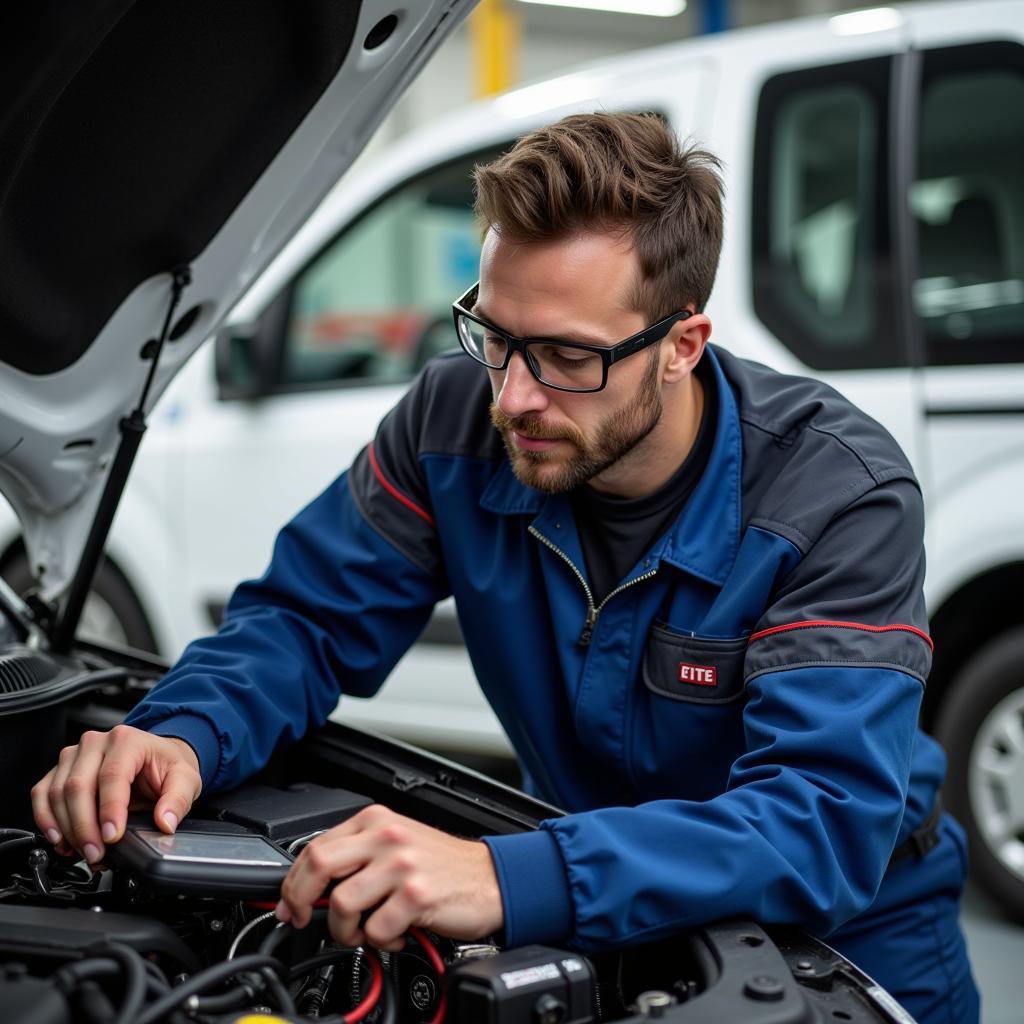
{"points": [[878, 19], [654, 8]]}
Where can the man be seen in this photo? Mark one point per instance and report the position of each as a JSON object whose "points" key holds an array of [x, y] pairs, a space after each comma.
{"points": [[690, 587]]}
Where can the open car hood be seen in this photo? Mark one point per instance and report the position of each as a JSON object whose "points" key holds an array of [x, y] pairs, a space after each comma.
{"points": [[143, 145]]}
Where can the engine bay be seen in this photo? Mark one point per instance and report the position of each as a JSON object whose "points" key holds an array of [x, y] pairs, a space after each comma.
{"points": [[182, 929]]}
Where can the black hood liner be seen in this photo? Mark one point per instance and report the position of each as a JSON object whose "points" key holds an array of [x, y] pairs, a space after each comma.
{"points": [[129, 131]]}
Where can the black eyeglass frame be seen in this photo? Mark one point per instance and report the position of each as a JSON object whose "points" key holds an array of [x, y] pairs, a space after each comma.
{"points": [[620, 350]]}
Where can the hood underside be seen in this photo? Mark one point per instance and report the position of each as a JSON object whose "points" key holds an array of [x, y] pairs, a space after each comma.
{"points": [[137, 137]]}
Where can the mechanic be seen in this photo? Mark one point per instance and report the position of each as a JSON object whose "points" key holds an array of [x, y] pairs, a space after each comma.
{"points": [[690, 587]]}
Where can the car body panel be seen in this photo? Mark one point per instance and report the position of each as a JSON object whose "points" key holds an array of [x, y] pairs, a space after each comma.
{"points": [[58, 431], [232, 470]]}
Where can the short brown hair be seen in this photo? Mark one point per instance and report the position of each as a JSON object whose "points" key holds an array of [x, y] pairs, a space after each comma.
{"points": [[614, 172]]}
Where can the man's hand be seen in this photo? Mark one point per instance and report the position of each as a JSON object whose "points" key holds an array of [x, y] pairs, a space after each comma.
{"points": [[411, 873], [83, 802]]}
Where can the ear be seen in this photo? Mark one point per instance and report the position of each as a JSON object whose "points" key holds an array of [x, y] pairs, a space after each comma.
{"points": [[686, 343]]}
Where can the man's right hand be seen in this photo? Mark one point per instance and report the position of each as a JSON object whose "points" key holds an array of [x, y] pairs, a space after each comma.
{"points": [[83, 802]]}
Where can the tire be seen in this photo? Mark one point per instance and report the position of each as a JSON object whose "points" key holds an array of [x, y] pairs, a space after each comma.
{"points": [[981, 725], [112, 613]]}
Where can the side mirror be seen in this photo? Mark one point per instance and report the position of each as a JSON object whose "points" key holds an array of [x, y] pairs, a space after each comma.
{"points": [[247, 356], [237, 366]]}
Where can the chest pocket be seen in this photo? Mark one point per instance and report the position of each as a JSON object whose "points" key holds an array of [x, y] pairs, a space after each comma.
{"points": [[693, 669]]}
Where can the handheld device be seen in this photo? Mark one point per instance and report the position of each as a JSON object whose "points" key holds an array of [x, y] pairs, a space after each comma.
{"points": [[203, 858]]}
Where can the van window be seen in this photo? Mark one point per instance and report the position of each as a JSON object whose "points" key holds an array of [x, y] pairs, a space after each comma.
{"points": [[968, 204], [821, 240], [375, 304]]}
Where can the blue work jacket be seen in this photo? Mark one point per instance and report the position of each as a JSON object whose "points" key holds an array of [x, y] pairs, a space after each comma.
{"points": [[733, 730]]}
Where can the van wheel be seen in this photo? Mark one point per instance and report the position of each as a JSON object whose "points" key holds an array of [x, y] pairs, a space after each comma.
{"points": [[112, 613], [981, 725]]}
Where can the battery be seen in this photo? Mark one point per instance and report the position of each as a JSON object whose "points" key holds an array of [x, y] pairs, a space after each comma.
{"points": [[529, 985]]}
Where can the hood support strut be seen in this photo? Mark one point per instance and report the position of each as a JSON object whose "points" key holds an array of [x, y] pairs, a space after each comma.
{"points": [[133, 426]]}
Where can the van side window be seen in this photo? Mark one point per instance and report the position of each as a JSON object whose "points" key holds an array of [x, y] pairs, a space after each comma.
{"points": [[821, 241], [968, 204], [374, 305]]}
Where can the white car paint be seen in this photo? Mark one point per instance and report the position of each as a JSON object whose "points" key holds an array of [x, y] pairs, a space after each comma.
{"points": [[216, 479]]}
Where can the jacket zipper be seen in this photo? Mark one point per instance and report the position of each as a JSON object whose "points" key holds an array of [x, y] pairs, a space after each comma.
{"points": [[592, 611]]}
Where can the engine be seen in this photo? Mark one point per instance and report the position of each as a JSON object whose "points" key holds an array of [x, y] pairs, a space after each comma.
{"points": [[130, 942], [184, 933]]}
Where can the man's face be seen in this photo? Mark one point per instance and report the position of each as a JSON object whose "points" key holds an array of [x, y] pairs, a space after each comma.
{"points": [[574, 289]]}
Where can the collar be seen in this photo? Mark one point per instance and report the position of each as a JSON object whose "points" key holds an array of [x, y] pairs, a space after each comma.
{"points": [[705, 538]]}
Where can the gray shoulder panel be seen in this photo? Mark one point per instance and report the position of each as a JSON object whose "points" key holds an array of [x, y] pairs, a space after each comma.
{"points": [[455, 414], [808, 453]]}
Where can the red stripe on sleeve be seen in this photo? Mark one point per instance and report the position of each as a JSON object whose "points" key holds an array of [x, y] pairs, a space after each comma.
{"points": [[844, 625], [395, 492]]}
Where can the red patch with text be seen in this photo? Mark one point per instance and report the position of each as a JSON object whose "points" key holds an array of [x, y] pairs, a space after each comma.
{"points": [[698, 675]]}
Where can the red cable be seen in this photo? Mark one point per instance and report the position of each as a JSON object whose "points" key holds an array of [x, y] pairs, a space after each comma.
{"points": [[372, 997], [370, 1000], [438, 964], [268, 905], [377, 980]]}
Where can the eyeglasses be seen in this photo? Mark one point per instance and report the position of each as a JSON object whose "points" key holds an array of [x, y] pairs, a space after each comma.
{"points": [[562, 365]]}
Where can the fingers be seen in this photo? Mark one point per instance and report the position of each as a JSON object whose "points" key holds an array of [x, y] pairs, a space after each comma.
{"points": [[343, 921], [327, 857], [118, 771], [401, 871], [84, 800], [55, 794], [180, 788], [46, 821], [385, 928], [337, 853], [357, 894], [64, 801], [80, 788]]}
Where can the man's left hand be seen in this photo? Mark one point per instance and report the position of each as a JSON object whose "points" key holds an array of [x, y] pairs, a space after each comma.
{"points": [[411, 873]]}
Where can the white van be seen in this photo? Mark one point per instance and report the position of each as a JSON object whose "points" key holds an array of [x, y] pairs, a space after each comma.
{"points": [[874, 171]]}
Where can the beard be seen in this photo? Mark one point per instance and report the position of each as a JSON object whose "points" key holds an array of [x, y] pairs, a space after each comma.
{"points": [[554, 472]]}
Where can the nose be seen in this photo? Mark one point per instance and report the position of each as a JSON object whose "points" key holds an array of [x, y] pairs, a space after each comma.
{"points": [[519, 393]]}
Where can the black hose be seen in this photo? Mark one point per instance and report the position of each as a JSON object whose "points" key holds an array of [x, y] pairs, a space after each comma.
{"points": [[214, 975], [70, 976], [156, 988], [282, 996], [16, 841], [282, 931], [135, 979], [108, 960], [230, 1000], [91, 1003], [278, 934], [157, 978], [330, 956]]}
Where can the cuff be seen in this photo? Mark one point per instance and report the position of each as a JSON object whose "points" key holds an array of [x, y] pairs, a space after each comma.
{"points": [[198, 734], [535, 894]]}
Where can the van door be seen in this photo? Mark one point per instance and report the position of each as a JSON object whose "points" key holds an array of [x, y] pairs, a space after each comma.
{"points": [[967, 210], [823, 249], [967, 205]]}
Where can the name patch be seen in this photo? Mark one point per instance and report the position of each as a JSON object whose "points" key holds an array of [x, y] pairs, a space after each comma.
{"points": [[698, 675]]}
